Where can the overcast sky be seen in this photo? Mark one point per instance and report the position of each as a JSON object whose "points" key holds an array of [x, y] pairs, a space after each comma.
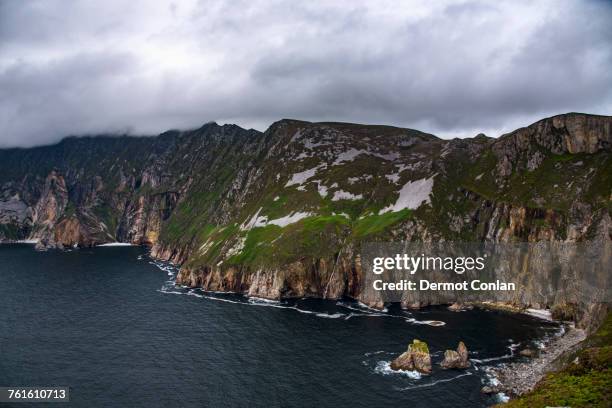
{"points": [[449, 68]]}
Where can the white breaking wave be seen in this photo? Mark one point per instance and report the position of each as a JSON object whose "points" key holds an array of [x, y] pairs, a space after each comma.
{"points": [[363, 305], [503, 398], [427, 322], [512, 347], [255, 299], [384, 368], [27, 241], [488, 360], [373, 353], [170, 292], [192, 293], [431, 384], [330, 316]]}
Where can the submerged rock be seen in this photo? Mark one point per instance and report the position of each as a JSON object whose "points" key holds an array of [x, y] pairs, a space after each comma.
{"points": [[415, 358], [528, 352], [456, 359], [491, 389], [455, 307], [459, 307]]}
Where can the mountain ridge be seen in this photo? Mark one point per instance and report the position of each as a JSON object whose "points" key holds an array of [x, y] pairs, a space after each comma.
{"points": [[174, 131]]}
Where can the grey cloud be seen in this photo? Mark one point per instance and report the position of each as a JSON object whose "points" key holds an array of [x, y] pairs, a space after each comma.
{"points": [[450, 68]]}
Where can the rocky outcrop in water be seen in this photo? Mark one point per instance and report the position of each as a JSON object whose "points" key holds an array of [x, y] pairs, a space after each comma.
{"points": [[415, 358], [456, 359]]}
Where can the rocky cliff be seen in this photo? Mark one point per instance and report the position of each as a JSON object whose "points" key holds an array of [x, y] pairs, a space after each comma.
{"points": [[284, 213]]}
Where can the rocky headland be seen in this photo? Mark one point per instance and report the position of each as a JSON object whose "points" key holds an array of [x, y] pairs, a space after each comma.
{"points": [[284, 213]]}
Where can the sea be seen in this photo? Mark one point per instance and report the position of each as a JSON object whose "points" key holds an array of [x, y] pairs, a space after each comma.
{"points": [[110, 324]]}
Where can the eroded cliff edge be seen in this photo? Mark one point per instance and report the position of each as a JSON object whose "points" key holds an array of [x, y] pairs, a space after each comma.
{"points": [[284, 213]]}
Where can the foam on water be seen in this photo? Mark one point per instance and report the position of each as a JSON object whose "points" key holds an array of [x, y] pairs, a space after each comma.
{"points": [[148, 323], [488, 360], [384, 368], [512, 347], [434, 323], [364, 306], [431, 384], [373, 353], [192, 293], [255, 300], [330, 315], [501, 397], [364, 310], [357, 311], [170, 292]]}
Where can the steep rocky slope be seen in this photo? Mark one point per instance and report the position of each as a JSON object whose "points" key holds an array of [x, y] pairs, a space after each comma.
{"points": [[284, 213]]}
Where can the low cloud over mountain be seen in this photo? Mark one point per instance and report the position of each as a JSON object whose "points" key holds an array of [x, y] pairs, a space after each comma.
{"points": [[450, 69]]}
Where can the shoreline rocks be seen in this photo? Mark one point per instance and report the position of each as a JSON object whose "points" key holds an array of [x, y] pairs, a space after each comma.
{"points": [[460, 307], [456, 359], [491, 389], [417, 358], [521, 377], [528, 352]]}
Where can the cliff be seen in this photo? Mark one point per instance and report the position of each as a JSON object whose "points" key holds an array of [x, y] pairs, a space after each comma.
{"points": [[284, 213]]}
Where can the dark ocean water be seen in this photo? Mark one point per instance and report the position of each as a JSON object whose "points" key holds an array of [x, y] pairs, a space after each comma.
{"points": [[107, 322]]}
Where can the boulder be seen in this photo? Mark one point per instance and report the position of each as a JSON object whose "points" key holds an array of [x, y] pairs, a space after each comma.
{"points": [[455, 307], [527, 352], [459, 307], [491, 389], [456, 359], [415, 358]]}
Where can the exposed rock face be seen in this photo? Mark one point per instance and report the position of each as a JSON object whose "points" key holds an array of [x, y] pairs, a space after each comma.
{"points": [[50, 206], [415, 358], [284, 213], [564, 311], [456, 359]]}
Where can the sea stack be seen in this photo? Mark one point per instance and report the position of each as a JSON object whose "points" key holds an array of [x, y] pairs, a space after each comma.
{"points": [[456, 359], [415, 358]]}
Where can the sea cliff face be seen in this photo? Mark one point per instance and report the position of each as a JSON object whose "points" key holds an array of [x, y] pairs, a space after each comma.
{"points": [[284, 213]]}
